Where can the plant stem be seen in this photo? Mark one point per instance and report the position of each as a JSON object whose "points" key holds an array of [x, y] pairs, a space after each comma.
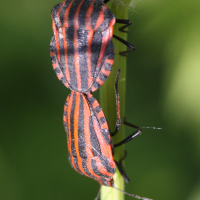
{"points": [[108, 101]]}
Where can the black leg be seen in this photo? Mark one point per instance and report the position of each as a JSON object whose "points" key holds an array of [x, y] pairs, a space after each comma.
{"points": [[130, 137], [127, 23], [128, 44], [121, 168], [106, 1], [131, 125], [118, 122]]}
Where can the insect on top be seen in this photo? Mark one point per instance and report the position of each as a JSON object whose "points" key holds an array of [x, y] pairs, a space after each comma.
{"points": [[81, 48]]}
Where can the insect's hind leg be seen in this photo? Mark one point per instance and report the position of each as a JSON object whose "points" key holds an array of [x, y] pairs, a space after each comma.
{"points": [[130, 137], [118, 122], [128, 44], [121, 168]]}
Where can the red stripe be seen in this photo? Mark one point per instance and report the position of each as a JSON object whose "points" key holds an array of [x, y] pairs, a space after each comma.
{"points": [[99, 20], [105, 149], [70, 100], [89, 42], [65, 24], [76, 117]]}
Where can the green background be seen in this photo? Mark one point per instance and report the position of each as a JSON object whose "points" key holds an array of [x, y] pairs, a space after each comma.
{"points": [[163, 90]]}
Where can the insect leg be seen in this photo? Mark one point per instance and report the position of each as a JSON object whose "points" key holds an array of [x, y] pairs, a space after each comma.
{"points": [[118, 122], [121, 168], [106, 1], [128, 44], [131, 46], [130, 137], [127, 23]]}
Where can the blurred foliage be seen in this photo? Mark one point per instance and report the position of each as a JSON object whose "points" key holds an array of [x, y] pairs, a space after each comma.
{"points": [[163, 90]]}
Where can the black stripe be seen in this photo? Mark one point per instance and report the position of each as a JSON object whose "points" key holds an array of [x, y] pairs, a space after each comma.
{"points": [[53, 44], [76, 165], [99, 180], [54, 14], [70, 57], [96, 150], [91, 99], [82, 13], [110, 50], [57, 70], [102, 120], [84, 165], [81, 134], [98, 109], [103, 77], [95, 51], [72, 125], [65, 113], [72, 135], [106, 164], [105, 133], [63, 80], [66, 122], [70, 44], [62, 64], [82, 50], [98, 4], [69, 96], [63, 11], [96, 171], [96, 85], [72, 12], [53, 60], [65, 125], [69, 159], [66, 102], [107, 66], [105, 182]]}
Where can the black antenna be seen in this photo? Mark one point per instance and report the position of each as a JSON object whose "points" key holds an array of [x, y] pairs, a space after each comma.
{"points": [[132, 195]]}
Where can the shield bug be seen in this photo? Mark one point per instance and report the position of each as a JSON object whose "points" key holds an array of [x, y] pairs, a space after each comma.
{"points": [[90, 146], [81, 48]]}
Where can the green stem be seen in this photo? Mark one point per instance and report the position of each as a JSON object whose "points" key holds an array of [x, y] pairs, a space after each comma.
{"points": [[108, 102]]}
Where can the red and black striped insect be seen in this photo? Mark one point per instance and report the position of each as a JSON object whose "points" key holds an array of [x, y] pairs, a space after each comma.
{"points": [[81, 48], [90, 146]]}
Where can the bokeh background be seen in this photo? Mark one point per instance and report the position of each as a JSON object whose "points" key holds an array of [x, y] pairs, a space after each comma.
{"points": [[163, 90]]}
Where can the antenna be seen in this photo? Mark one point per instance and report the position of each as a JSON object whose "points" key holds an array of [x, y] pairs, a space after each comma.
{"points": [[152, 128], [98, 193], [132, 195]]}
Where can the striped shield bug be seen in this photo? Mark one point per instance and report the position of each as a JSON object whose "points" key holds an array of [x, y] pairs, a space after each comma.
{"points": [[81, 48], [90, 146]]}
